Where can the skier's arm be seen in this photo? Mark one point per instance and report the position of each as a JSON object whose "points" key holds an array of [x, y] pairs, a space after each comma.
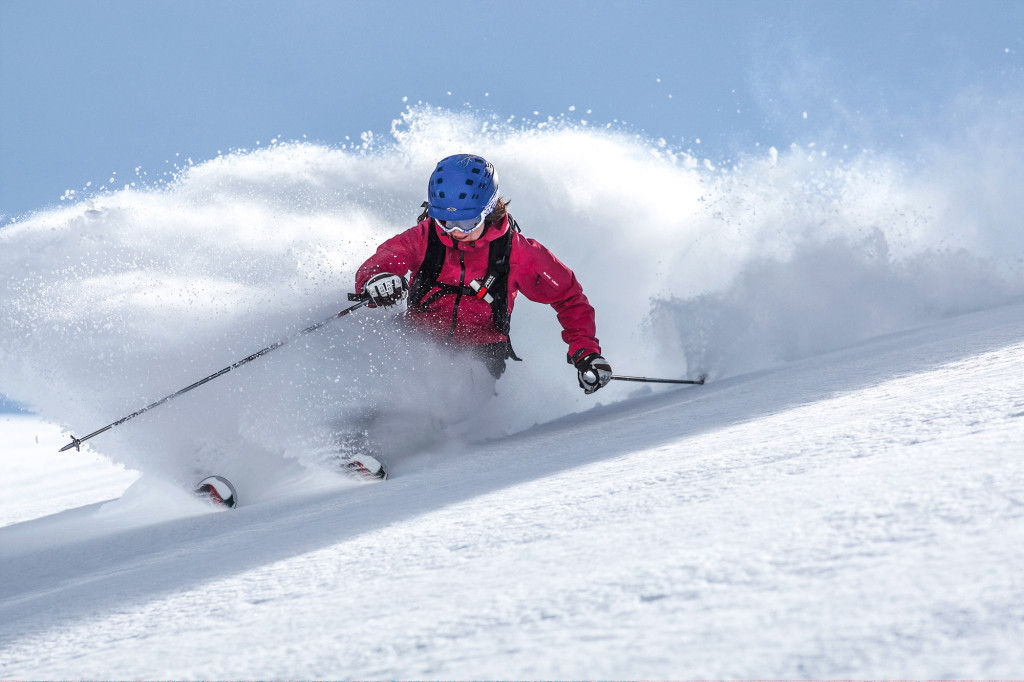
{"points": [[545, 279], [398, 255]]}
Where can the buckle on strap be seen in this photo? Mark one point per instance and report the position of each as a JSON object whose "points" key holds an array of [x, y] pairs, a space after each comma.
{"points": [[481, 289]]}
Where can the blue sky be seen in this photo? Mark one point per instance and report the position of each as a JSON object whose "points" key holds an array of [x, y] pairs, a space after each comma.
{"points": [[96, 89]]}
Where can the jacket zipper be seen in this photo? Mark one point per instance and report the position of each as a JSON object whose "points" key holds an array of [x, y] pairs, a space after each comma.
{"points": [[458, 296]]}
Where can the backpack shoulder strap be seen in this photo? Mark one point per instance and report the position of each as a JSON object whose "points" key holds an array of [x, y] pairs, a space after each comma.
{"points": [[498, 268], [430, 269]]}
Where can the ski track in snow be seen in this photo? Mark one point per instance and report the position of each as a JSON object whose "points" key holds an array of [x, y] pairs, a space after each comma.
{"points": [[856, 514]]}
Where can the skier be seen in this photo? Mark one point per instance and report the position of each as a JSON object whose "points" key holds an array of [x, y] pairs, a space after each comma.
{"points": [[466, 261]]}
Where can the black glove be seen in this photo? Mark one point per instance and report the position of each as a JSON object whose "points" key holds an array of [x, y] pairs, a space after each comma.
{"points": [[593, 372], [386, 289]]}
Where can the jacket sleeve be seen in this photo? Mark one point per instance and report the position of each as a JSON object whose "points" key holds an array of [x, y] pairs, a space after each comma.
{"points": [[543, 278], [398, 255]]}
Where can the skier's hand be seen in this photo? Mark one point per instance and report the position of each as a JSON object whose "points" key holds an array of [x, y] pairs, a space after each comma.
{"points": [[594, 372], [386, 289]]}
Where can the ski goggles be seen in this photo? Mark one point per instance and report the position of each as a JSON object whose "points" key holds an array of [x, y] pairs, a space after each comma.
{"points": [[463, 226], [469, 224]]}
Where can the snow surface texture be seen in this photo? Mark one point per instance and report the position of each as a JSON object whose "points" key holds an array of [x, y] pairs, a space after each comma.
{"points": [[843, 499]]}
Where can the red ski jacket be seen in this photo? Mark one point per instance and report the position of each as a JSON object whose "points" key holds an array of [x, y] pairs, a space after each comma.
{"points": [[466, 320]]}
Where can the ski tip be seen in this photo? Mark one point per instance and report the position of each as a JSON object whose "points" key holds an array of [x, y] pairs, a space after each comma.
{"points": [[218, 491], [367, 468]]}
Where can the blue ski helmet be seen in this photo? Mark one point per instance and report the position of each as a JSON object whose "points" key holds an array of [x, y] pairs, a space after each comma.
{"points": [[462, 187]]}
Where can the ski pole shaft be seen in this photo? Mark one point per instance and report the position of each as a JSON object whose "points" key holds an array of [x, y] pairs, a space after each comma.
{"points": [[698, 382], [76, 443]]}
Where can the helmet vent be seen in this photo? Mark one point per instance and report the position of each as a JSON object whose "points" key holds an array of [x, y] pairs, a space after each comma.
{"points": [[462, 196]]}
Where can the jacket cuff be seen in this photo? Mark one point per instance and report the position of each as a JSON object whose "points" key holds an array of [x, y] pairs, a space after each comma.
{"points": [[572, 357]]}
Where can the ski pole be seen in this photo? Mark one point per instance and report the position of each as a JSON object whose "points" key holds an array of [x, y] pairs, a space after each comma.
{"points": [[76, 443], [699, 381]]}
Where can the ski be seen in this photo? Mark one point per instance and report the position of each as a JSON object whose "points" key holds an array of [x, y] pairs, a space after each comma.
{"points": [[218, 491], [365, 468]]}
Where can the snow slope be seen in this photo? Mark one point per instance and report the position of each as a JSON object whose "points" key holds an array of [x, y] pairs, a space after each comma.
{"points": [[859, 514], [844, 498]]}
